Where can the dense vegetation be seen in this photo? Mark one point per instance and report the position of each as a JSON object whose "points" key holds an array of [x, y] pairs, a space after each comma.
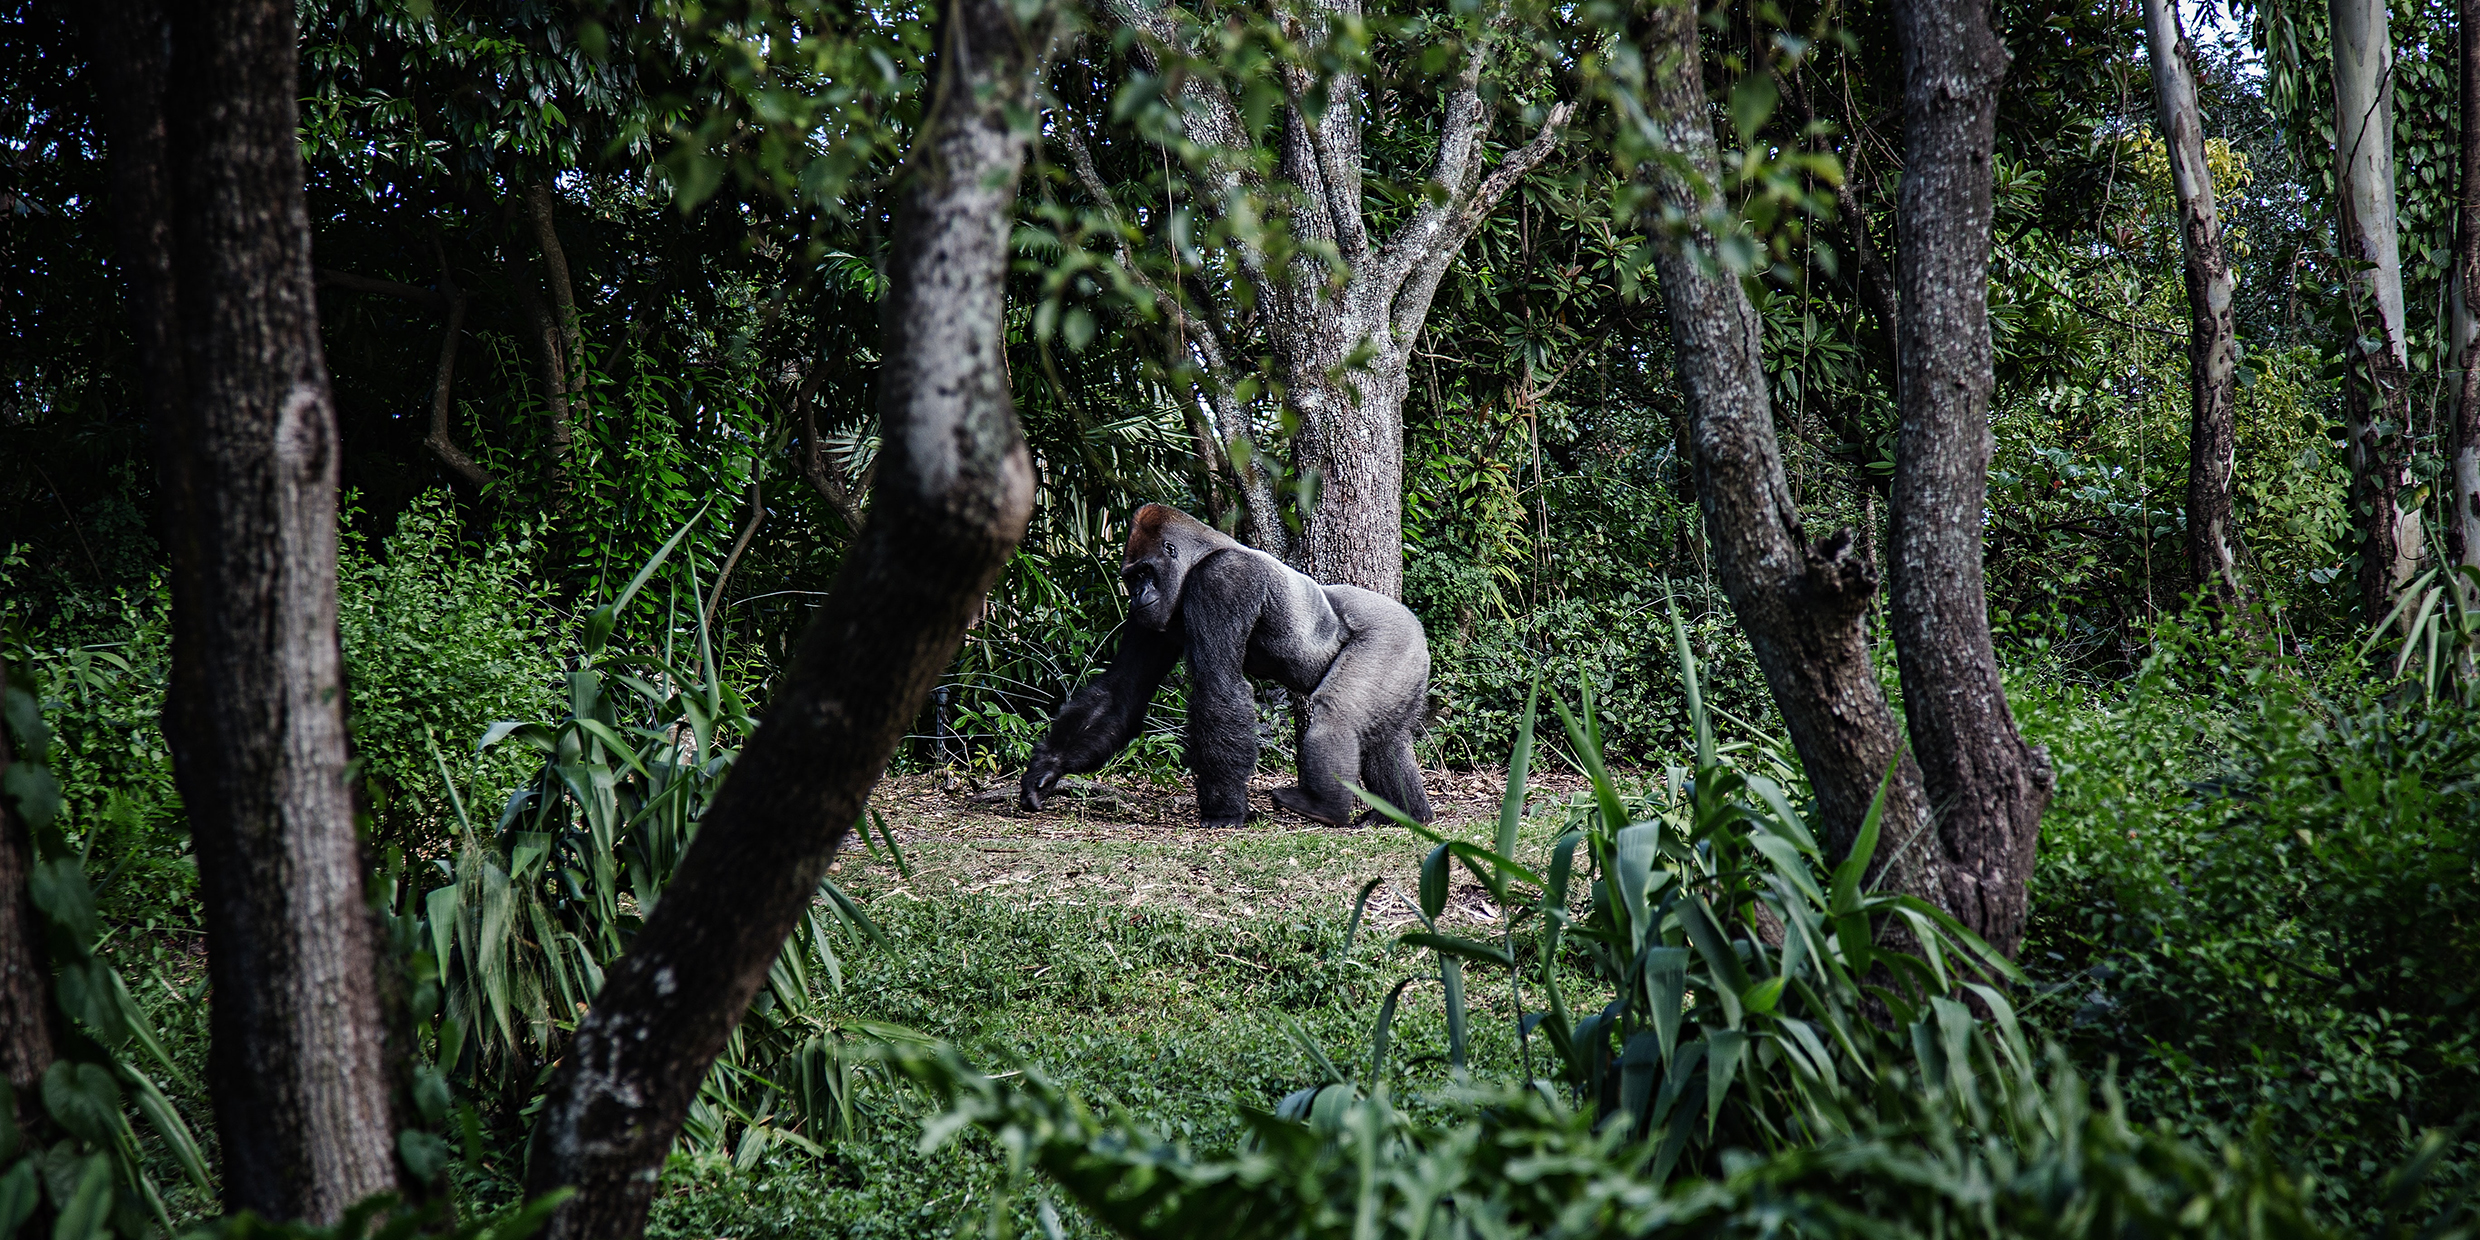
{"points": [[600, 288]]}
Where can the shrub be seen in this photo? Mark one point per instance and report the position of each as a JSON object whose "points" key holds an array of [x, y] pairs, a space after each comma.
{"points": [[441, 638], [2286, 938]]}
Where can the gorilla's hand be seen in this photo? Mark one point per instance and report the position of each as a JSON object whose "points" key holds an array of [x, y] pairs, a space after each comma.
{"points": [[1041, 776]]}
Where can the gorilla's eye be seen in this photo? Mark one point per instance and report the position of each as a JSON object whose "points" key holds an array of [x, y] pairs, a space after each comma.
{"points": [[1171, 548]]}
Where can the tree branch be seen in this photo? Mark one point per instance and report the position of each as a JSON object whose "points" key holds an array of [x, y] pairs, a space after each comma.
{"points": [[749, 530], [817, 468], [440, 441]]}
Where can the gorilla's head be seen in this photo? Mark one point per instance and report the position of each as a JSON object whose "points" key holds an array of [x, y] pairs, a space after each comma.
{"points": [[1162, 545]]}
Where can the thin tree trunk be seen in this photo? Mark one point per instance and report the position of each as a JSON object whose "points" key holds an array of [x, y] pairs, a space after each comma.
{"points": [[1988, 787], [215, 236], [1805, 607], [953, 495], [2378, 397], [2463, 500], [740, 546], [2212, 327]]}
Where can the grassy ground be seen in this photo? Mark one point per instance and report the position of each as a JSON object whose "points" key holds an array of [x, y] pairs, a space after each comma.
{"points": [[1122, 949]]}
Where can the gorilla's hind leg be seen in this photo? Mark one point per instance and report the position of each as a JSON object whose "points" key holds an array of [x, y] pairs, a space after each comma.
{"points": [[1330, 752], [1394, 775]]}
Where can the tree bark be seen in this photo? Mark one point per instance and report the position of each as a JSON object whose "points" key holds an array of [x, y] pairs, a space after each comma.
{"points": [[2463, 473], [29, 1021], [954, 490], [1989, 787], [215, 235], [2212, 326], [1805, 607], [2378, 397]]}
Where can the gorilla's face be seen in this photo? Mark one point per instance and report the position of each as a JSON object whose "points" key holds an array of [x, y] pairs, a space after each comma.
{"points": [[1153, 594], [1163, 543]]}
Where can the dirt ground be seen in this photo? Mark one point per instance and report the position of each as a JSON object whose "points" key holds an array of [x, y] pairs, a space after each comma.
{"points": [[1137, 845]]}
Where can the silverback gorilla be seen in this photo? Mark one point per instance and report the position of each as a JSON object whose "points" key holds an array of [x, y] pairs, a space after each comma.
{"points": [[1359, 657]]}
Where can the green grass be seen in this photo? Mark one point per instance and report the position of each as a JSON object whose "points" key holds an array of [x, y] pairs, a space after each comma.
{"points": [[1169, 1015]]}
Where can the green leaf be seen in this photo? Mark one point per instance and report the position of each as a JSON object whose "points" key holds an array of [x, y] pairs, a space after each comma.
{"points": [[1725, 1048], [36, 792], [1762, 997], [1381, 1032], [1453, 945], [426, 1154], [87, 1214], [82, 1098], [59, 888], [1519, 764], [20, 1193], [1434, 884]]}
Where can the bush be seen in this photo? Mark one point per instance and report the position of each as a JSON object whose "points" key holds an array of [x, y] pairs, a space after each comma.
{"points": [[2288, 937], [442, 638]]}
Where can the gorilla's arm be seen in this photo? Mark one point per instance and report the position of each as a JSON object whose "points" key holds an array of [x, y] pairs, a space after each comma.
{"points": [[1221, 607], [1103, 716]]}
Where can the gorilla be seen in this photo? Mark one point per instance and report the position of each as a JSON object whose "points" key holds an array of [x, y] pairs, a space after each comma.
{"points": [[1360, 658]]}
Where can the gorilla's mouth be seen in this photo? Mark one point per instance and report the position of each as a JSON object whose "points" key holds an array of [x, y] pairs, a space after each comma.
{"points": [[1144, 595]]}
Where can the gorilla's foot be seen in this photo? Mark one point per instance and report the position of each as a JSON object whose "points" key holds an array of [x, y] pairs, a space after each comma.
{"points": [[1297, 800]]}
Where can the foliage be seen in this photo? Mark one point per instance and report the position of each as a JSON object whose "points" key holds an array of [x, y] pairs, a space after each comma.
{"points": [[441, 637], [1514, 1162], [71, 1147], [514, 944], [1802, 1109], [2279, 933]]}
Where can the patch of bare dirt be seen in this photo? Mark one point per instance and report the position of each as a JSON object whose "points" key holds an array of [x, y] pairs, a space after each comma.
{"points": [[1135, 844]]}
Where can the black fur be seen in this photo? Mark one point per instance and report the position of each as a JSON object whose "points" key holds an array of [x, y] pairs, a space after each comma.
{"points": [[1359, 658]]}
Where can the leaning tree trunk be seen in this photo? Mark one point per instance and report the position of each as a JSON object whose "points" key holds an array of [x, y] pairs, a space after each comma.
{"points": [[1805, 607], [954, 489], [2378, 395], [2212, 327], [1988, 786], [2463, 474], [215, 237]]}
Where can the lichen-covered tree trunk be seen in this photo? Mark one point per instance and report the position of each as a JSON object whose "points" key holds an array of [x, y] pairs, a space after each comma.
{"points": [[2212, 326], [1804, 606], [2378, 396], [215, 239], [1986, 785], [954, 487]]}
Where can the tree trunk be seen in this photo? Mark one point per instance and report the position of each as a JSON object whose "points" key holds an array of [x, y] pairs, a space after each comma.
{"points": [[2212, 328], [1351, 437], [215, 235], [1352, 440], [1805, 607], [2463, 500], [2378, 397], [953, 493], [1988, 786], [29, 1021]]}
